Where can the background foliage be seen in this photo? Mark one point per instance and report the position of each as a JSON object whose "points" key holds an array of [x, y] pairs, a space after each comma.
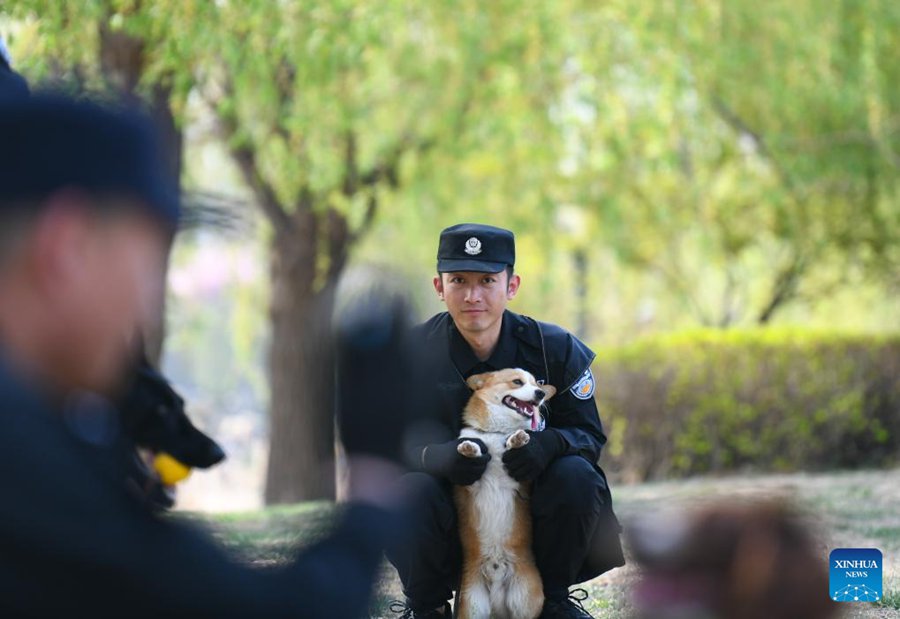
{"points": [[763, 400], [710, 163], [665, 166]]}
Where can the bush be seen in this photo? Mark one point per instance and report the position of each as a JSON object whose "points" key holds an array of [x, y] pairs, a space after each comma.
{"points": [[765, 400]]}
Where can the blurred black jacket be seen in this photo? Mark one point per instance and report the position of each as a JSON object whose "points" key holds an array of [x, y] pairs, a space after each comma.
{"points": [[72, 539]]}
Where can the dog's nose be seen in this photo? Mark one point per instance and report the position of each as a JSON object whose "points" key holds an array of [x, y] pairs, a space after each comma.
{"points": [[539, 394]]}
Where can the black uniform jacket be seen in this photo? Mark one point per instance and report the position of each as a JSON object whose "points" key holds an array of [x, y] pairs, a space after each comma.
{"points": [[550, 353], [73, 540]]}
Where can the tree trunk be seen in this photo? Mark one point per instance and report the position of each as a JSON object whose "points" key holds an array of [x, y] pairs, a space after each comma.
{"points": [[122, 60], [173, 145], [301, 429]]}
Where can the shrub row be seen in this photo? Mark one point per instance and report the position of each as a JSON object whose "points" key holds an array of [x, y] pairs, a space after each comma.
{"points": [[763, 400]]}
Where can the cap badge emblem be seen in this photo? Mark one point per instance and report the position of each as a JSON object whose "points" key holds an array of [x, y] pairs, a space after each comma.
{"points": [[473, 246]]}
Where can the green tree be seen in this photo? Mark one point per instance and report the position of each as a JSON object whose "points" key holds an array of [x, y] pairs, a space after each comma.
{"points": [[108, 48], [319, 114], [746, 154], [327, 112], [730, 157]]}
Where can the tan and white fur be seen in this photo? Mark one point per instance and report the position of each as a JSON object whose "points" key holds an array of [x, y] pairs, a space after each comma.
{"points": [[499, 576]]}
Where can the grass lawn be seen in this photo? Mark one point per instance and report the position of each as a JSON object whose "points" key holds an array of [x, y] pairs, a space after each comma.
{"points": [[850, 509]]}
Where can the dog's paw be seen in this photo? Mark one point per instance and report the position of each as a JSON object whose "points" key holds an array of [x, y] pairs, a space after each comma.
{"points": [[517, 439], [469, 449]]}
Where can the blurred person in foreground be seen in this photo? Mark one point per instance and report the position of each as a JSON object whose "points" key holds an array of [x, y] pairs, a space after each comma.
{"points": [[86, 219], [151, 434], [730, 561]]}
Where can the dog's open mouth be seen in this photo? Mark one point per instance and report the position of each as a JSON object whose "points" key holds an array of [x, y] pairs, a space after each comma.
{"points": [[526, 409]]}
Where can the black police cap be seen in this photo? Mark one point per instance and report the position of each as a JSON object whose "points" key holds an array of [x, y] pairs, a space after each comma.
{"points": [[50, 142], [475, 247]]}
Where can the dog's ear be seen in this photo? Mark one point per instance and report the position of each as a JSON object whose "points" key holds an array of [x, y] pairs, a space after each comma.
{"points": [[477, 381], [550, 390]]}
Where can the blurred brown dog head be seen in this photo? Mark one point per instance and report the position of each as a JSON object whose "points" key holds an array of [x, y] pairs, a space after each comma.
{"points": [[731, 561]]}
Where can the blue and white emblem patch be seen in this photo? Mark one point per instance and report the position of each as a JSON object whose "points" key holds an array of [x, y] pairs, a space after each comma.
{"points": [[583, 388]]}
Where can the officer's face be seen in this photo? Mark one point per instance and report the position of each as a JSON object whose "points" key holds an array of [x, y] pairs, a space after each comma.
{"points": [[476, 301], [128, 279], [102, 276]]}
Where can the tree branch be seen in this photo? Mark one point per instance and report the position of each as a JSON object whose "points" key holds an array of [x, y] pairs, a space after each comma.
{"points": [[386, 170], [244, 156], [368, 218], [740, 126], [339, 240], [784, 288], [669, 265], [350, 184], [121, 58]]}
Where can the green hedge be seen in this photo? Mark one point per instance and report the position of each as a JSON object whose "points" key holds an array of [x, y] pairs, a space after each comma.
{"points": [[764, 400]]}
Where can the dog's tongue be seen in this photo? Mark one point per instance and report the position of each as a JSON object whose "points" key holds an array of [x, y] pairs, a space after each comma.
{"points": [[534, 418]]}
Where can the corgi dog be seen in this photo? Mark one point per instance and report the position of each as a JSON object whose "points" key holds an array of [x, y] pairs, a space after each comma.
{"points": [[499, 575]]}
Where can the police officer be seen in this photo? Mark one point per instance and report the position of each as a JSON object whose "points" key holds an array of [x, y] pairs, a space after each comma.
{"points": [[86, 217], [575, 531]]}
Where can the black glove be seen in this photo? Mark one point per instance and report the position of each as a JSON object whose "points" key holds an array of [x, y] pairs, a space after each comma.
{"points": [[373, 363], [526, 463], [443, 460]]}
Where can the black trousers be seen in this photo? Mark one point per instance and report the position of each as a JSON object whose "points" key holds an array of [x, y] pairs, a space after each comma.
{"points": [[576, 534]]}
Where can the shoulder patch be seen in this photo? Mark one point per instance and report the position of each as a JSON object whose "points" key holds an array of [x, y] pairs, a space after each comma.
{"points": [[583, 388]]}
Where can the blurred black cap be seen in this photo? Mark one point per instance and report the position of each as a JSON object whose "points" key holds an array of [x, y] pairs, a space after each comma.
{"points": [[475, 247], [50, 142]]}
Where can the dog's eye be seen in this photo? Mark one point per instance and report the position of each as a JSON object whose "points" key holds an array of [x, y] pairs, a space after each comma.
{"points": [[518, 381]]}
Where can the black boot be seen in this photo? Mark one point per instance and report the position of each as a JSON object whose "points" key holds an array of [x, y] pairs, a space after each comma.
{"points": [[567, 608]]}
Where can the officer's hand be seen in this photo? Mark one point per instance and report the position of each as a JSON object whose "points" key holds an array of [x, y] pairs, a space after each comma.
{"points": [[444, 460], [372, 360], [527, 462]]}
